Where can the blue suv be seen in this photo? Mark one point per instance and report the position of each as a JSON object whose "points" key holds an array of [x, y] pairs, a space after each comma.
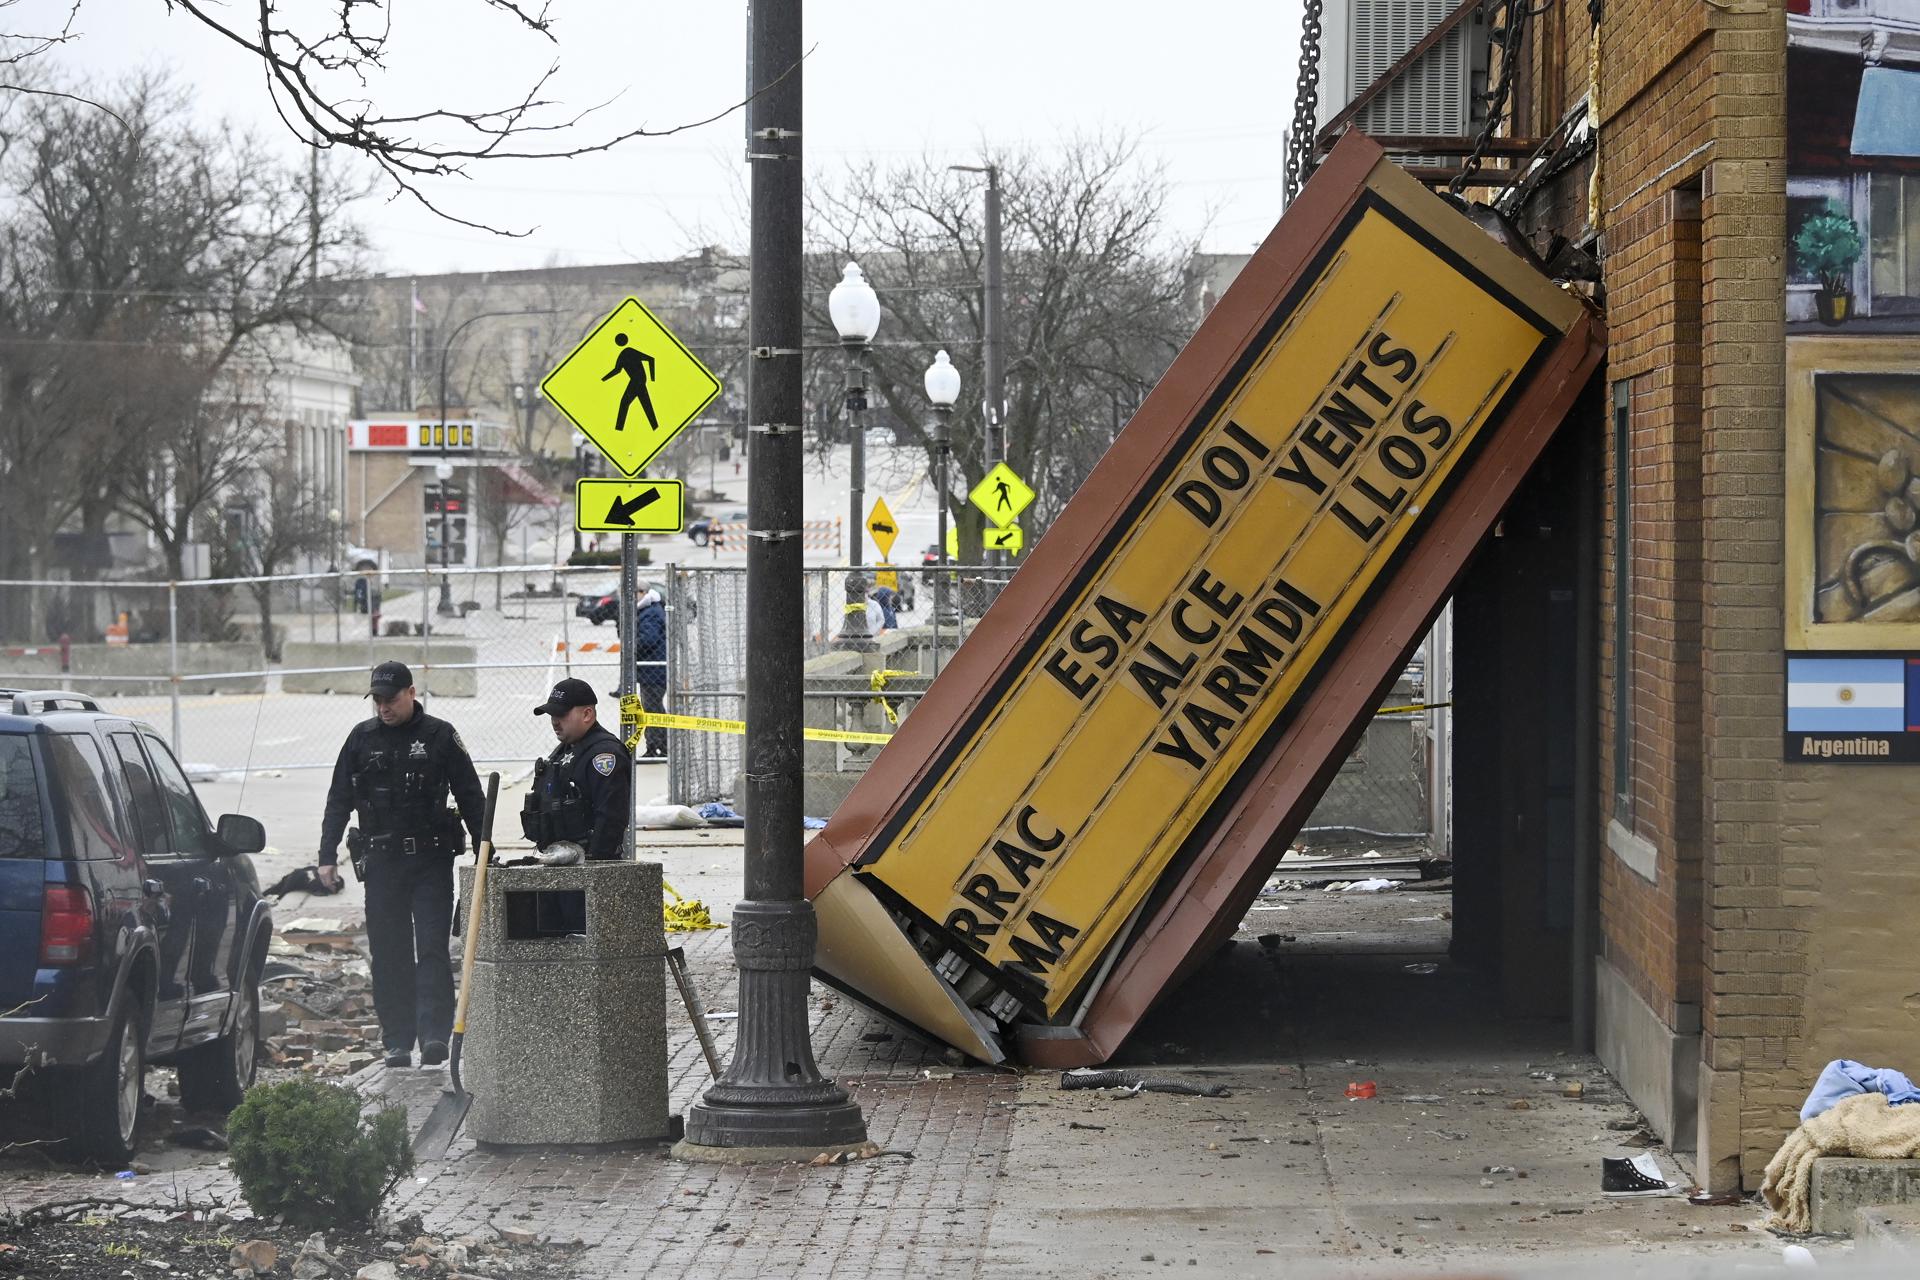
{"points": [[132, 930]]}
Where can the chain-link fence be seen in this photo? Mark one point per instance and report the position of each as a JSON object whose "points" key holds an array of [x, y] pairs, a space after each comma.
{"points": [[862, 677], [270, 673]]}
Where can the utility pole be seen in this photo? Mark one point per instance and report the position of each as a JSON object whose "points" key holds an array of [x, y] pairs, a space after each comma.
{"points": [[772, 1097], [993, 330]]}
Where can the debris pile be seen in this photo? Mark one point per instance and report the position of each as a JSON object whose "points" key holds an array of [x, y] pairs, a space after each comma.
{"points": [[320, 982]]}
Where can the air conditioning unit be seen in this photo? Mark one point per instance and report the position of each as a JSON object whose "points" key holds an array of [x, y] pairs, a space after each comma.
{"points": [[1438, 96]]}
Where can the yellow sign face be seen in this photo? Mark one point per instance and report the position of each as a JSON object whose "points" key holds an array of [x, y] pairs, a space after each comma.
{"points": [[629, 506], [887, 578], [631, 386], [1003, 495], [883, 527], [1217, 599], [1009, 539]]}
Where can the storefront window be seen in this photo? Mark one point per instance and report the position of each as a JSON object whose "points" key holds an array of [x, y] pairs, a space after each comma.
{"points": [[1894, 243]]}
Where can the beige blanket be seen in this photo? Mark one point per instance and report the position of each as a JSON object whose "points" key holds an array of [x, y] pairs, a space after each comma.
{"points": [[1859, 1126]]}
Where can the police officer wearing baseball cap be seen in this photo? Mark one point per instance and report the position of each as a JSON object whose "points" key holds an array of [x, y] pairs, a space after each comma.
{"points": [[396, 772], [582, 797]]}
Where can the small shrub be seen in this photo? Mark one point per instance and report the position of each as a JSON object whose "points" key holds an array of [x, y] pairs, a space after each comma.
{"points": [[300, 1148]]}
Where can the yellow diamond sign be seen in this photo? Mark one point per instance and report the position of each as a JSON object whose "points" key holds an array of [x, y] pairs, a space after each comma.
{"points": [[1003, 495], [883, 527], [631, 386]]}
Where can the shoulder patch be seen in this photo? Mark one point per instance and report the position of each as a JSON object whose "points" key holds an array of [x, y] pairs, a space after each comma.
{"points": [[603, 764]]}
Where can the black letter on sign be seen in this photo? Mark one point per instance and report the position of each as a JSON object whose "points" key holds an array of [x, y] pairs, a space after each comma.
{"points": [[1392, 356], [986, 893], [1017, 861], [1121, 617], [1024, 825], [1201, 502], [1035, 959], [1069, 674], [970, 929]]}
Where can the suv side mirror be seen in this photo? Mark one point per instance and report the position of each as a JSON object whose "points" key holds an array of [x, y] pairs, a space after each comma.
{"points": [[240, 833]]}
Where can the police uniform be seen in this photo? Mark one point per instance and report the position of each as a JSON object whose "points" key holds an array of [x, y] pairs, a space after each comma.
{"points": [[583, 792], [397, 780]]}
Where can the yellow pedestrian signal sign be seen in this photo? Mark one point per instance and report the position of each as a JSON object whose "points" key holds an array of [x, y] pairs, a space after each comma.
{"points": [[883, 527], [1009, 539], [631, 386], [1003, 495], [629, 506]]}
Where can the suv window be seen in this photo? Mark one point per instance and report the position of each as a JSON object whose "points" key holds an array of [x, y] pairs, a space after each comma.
{"points": [[85, 788], [149, 818], [21, 835], [191, 832]]}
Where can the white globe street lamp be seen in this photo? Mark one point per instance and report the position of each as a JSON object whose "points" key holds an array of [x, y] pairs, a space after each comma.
{"points": [[855, 309], [943, 390]]}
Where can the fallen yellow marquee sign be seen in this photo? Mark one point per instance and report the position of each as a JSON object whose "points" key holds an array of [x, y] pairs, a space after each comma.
{"points": [[1234, 587]]}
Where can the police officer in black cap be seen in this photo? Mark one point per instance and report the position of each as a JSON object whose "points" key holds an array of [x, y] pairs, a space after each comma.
{"points": [[582, 797], [396, 772]]}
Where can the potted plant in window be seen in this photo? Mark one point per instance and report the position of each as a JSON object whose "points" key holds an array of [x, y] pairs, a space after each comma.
{"points": [[1826, 246]]}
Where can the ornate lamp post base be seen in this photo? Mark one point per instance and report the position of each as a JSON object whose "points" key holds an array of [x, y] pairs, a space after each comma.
{"points": [[773, 1104]]}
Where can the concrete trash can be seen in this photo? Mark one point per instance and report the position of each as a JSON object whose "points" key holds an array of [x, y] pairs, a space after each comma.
{"points": [[566, 1028]]}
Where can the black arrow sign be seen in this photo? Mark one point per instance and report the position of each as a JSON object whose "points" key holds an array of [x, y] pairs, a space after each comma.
{"points": [[624, 509], [878, 527], [1003, 539]]}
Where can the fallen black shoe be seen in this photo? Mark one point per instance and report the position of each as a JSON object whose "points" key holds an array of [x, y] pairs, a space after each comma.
{"points": [[432, 1053], [399, 1057], [1639, 1176]]}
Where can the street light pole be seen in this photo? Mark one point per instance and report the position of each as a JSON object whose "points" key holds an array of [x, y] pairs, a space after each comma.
{"points": [[943, 389], [856, 317], [445, 607], [772, 1097], [992, 329]]}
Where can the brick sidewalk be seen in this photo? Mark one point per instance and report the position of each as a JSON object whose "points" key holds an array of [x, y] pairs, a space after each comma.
{"points": [[642, 1213]]}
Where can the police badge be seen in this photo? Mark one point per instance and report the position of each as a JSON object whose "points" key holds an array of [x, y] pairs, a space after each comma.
{"points": [[603, 764]]}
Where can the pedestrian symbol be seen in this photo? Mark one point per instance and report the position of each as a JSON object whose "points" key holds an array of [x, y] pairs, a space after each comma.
{"points": [[630, 386], [881, 524], [629, 506], [1009, 539], [1003, 495]]}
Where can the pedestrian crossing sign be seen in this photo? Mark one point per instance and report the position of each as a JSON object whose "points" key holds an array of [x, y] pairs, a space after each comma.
{"points": [[631, 386], [1003, 495]]}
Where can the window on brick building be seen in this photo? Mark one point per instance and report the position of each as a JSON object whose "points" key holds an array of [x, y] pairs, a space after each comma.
{"points": [[1894, 242], [1623, 734]]}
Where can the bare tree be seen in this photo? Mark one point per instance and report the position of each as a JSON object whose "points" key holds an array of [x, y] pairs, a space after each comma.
{"points": [[278, 515], [324, 64], [137, 253], [1097, 303]]}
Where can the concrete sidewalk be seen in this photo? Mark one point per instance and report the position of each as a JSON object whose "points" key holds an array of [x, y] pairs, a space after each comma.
{"points": [[1001, 1173]]}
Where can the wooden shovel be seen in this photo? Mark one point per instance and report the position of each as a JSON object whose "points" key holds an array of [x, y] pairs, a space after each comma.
{"points": [[436, 1135]]}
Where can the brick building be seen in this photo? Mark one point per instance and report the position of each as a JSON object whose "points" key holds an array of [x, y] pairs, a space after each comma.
{"points": [[1733, 909]]}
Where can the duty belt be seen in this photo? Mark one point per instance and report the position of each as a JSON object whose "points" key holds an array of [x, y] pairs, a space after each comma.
{"points": [[407, 846]]}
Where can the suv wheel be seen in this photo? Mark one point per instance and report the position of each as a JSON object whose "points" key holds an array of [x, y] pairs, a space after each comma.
{"points": [[215, 1076], [103, 1112]]}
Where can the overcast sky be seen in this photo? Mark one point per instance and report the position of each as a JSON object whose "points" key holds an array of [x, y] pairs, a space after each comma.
{"points": [[1206, 85]]}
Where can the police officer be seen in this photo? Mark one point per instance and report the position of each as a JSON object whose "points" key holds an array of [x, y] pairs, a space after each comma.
{"points": [[396, 771], [582, 796]]}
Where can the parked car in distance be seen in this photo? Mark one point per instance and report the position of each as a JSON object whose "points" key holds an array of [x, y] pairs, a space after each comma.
{"points": [[597, 608], [701, 530], [132, 930]]}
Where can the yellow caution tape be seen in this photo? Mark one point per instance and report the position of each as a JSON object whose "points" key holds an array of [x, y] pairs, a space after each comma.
{"points": [[879, 682], [686, 915], [644, 720], [1412, 706]]}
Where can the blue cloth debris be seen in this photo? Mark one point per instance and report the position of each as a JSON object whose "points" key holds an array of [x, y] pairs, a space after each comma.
{"points": [[812, 824], [720, 814], [1844, 1078]]}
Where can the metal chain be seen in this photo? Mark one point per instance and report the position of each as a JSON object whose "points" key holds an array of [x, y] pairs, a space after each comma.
{"points": [[1306, 103], [1508, 20]]}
